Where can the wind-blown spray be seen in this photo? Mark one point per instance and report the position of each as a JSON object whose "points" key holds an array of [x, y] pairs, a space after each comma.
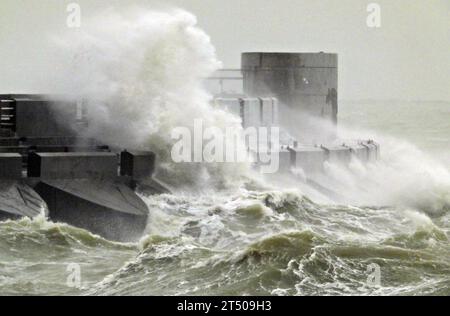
{"points": [[141, 73]]}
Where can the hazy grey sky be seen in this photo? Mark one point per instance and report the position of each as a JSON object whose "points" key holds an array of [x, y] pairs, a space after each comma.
{"points": [[407, 58]]}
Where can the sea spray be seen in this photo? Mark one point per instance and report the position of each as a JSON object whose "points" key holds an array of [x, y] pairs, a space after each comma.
{"points": [[404, 176], [141, 75], [298, 248], [216, 244], [256, 242]]}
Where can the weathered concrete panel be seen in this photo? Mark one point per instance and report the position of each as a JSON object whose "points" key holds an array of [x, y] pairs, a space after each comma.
{"points": [[282, 74], [232, 105], [373, 151], [58, 141], [252, 112], [10, 166], [283, 155], [285, 160], [86, 149], [307, 82], [72, 165], [106, 208], [276, 112], [51, 118], [18, 200], [310, 159], [9, 142], [359, 151], [66, 149], [283, 60], [22, 150], [338, 154], [48, 149], [137, 164], [268, 110]]}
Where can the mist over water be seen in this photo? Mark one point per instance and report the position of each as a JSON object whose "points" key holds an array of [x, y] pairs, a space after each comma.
{"points": [[225, 230], [140, 73], [423, 124]]}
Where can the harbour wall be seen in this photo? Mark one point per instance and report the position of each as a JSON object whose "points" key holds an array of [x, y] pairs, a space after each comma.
{"points": [[311, 160]]}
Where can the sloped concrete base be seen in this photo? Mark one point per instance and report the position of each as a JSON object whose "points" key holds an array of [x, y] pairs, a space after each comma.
{"points": [[18, 200], [109, 209]]}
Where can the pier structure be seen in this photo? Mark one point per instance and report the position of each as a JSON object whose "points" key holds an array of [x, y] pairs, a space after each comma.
{"points": [[46, 167], [295, 89]]}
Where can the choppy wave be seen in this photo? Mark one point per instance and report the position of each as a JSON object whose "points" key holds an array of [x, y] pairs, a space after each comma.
{"points": [[248, 242], [35, 255], [225, 231], [296, 248]]}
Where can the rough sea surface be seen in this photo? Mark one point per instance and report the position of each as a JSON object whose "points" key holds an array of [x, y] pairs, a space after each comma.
{"points": [[257, 240]]}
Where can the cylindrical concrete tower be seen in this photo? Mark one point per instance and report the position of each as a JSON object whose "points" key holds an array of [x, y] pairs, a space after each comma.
{"points": [[304, 83]]}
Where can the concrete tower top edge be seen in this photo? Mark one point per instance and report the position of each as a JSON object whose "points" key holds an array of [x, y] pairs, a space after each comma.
{"points": [[271, 60]]}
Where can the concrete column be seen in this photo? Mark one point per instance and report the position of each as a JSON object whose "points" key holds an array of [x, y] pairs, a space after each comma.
{"points": [[72, 165], [305, 84], [136, 164]]}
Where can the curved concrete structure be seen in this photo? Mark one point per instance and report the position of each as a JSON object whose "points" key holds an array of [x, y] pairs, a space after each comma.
{"points": [[107, 208], [81, 189], [306, 83], [84, 190], [70, 179], [18, 199], [297, 90]]}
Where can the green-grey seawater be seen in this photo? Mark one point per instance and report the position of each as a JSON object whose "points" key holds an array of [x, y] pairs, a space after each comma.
{"points": [[269, 240]]}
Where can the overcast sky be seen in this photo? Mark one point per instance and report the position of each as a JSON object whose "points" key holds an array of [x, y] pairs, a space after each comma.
{"points": [[407, 58]]}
